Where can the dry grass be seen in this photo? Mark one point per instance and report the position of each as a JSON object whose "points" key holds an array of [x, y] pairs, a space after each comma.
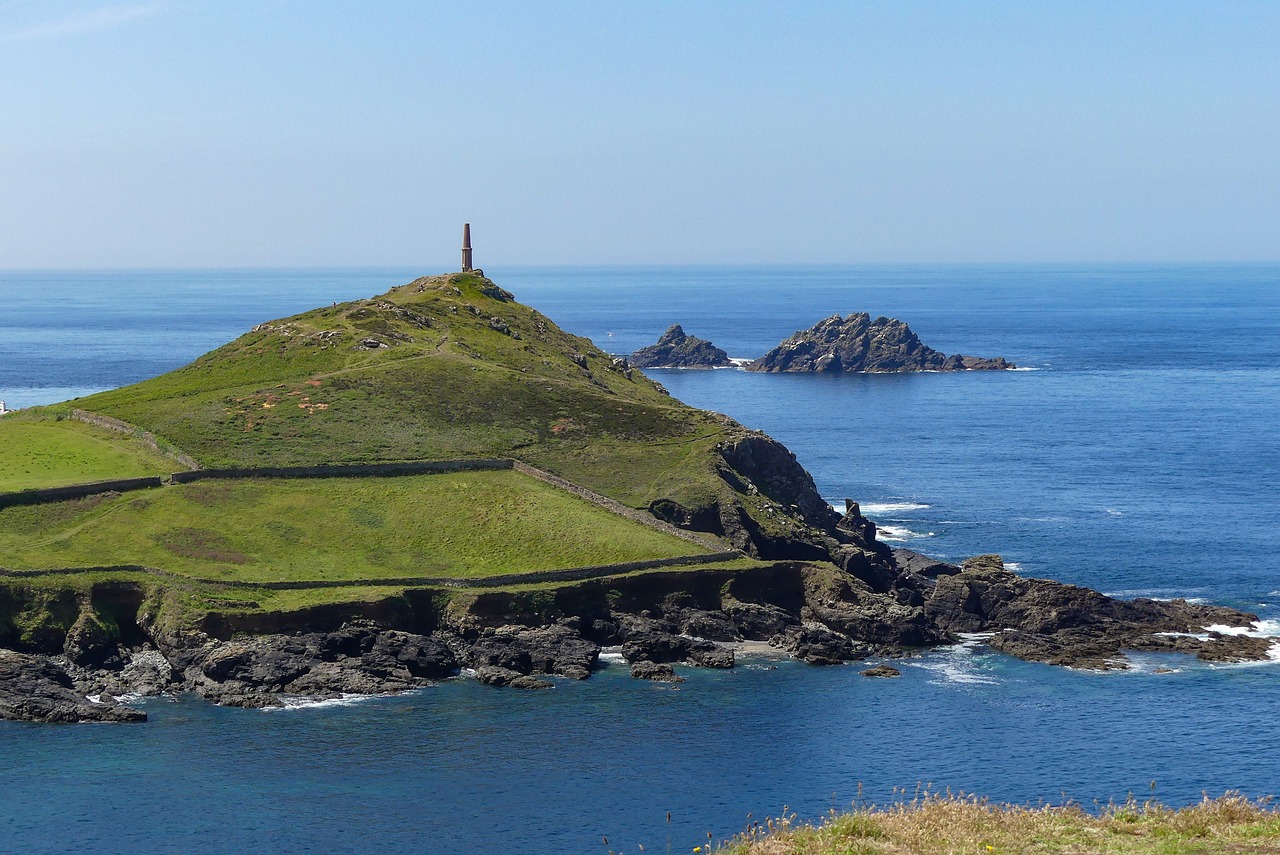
{"points": [[933, 824]]}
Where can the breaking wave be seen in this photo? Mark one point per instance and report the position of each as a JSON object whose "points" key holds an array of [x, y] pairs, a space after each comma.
{"points": [[900, 533]]}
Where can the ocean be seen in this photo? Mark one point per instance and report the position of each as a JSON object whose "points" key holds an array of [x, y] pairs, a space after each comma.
{"points": [[1135, 452]]}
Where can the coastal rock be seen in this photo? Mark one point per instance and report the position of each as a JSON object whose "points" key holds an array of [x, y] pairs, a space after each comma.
{"points": [[818, 645], [91, 642], [881, 671], [555, 649], [496, 675], [34, 688], [359, 658], [676, 349], [858, 343], [759, 621], [710, 655], [761, 464], [1047, 621], [659, 671]]}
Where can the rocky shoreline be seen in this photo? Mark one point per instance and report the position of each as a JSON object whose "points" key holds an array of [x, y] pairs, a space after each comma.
{"points": [[819, 614]]}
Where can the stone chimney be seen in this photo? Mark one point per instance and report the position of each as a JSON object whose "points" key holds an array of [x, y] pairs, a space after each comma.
{"points": [[466, 247]]}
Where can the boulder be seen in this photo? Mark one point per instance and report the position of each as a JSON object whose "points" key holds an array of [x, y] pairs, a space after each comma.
{"points": [[659, 671], [881, 670]]}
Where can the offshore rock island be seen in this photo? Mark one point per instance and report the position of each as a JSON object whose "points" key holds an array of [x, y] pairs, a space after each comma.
{"points": [[438, 480], [677, 349], [856, 343]]}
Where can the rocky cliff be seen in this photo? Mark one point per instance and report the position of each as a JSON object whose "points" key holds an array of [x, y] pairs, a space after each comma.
{"points": [[878, 603], [676, 349], [858, 343]]}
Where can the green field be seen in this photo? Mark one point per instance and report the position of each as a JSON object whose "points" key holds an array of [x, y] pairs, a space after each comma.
{"points": [[460, 525], [38, 452]]}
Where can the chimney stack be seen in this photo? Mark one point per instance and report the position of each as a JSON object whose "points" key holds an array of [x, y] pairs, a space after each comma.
{"points": [[466, 247]]}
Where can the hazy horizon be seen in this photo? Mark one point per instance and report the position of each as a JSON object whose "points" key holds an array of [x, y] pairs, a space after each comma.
{"points": [[192, 135]]}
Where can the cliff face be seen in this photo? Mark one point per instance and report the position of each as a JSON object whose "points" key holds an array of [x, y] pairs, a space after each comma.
{"points": [[676, 349], [858, 343]]}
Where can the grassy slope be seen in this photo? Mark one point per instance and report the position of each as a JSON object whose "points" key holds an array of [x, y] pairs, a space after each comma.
{"points": [[458, 525], [447, 384], [39, 451], [942, 826]]}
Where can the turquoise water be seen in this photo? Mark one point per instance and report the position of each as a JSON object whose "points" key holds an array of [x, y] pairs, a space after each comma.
{"points": [[1141, 457]]}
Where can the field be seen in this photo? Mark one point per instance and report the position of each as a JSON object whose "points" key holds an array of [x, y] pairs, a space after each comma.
{"points": [[949, 826], [458, 525], [45, 452]]}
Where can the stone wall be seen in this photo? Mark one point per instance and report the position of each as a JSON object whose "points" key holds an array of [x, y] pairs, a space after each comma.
{"points": [[353, 470], [616, 507], [147, 438], [568, 574], [77, 491]]}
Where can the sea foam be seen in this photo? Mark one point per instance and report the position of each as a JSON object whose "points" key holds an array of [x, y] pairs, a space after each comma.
{"points": [[900, 533]]}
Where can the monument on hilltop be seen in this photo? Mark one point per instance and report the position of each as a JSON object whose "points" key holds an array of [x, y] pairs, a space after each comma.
{"points": [[466, 247]]}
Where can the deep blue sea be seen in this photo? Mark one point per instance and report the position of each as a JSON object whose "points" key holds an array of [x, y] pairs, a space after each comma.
{"points": [[1139, 454]]}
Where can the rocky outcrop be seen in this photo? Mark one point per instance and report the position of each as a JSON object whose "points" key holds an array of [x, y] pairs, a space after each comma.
{"points": [[35, 688], [1047, 621], [676, 349], [858, 343]]}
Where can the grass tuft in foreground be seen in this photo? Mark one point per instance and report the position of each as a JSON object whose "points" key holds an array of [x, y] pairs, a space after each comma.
{"points": [[949, 825]]}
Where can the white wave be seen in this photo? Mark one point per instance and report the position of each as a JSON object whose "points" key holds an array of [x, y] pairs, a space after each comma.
{"points": [[1114, 512], [740, 361], [1259, 629], [93, 699], [957, 663], [1162, 594], [1015, 566], [900, 533], [892, 507], [612, 655], [1024, 368], [302, 702]]}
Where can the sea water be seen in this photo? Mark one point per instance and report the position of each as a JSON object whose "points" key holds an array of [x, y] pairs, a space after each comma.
{"points": [[1136, 453]]}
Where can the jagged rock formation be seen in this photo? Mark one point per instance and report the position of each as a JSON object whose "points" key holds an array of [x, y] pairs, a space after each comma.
{"points": [[676, 349], [858, 343]]}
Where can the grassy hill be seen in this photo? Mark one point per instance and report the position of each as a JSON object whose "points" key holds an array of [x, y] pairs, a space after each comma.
{"points": [[39, 451], [442, 367]]}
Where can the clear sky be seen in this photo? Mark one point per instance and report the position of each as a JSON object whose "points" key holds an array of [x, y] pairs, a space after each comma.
{"points": [[307, 133]]}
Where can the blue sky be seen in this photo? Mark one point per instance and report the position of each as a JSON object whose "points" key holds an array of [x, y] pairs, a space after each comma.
{"points": [[228, 133]]}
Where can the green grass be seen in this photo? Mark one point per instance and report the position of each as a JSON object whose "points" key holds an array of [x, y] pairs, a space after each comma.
{"points": [[458, 525], [950, 826], [447, 384], [40, 451]]}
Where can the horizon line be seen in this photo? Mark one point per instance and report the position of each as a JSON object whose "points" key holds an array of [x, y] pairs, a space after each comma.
{"points": [[650, 265]]}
